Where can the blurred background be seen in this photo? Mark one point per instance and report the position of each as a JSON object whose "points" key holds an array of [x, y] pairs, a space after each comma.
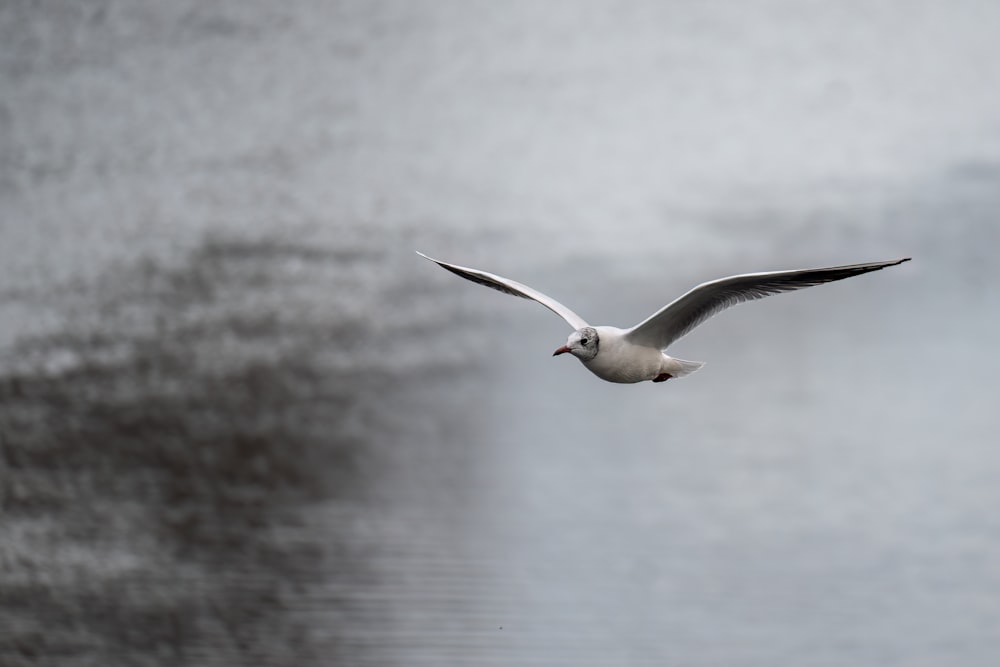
{"points": [[242, 423]]}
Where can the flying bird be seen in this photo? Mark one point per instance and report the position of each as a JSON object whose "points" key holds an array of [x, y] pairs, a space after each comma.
{"points": [[637, 354]]}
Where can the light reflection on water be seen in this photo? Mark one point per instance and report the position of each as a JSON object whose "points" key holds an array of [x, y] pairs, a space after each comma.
{"points": [[241, 422]]}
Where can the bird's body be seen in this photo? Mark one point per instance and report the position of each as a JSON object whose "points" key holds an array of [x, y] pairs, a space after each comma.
{"points": [[637, 354], [619, 360]]}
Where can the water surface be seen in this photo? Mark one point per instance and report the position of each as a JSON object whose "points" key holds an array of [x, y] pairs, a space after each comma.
{"points": [[242, 423]]}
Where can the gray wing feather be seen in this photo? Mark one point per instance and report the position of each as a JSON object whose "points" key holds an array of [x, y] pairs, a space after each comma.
{"points": [[512, 287], [677, 319]]}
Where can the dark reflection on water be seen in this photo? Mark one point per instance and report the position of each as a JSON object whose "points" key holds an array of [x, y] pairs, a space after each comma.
{"points": [[157, 459]]}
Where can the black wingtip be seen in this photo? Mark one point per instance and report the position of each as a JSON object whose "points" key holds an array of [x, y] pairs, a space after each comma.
{"points": [[429, 258], [875, 266], [895, 263]]}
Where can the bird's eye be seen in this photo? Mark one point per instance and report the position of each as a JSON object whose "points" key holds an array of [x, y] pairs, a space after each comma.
{"points": [[583, 341]]}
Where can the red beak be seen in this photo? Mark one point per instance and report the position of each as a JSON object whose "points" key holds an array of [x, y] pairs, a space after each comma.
{"points": [[561, 350]]}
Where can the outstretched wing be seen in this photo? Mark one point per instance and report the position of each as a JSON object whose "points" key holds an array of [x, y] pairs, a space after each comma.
{"points": [[513, 288], [677, 319]]}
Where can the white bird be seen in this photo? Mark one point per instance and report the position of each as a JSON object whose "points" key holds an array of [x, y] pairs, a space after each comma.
{"points": [[637, 354]]}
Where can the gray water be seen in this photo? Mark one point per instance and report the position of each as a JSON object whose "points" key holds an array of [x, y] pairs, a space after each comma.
{"points": [[242, 423]]}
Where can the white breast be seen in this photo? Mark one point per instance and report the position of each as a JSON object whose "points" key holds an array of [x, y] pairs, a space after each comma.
{"points": [[620, 361]]}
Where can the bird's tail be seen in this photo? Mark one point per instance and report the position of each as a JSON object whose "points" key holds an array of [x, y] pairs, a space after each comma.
{"points": [[681, 367]]}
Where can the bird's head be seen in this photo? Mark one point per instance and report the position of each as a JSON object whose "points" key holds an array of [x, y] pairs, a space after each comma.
{"points": [[582, 344]]}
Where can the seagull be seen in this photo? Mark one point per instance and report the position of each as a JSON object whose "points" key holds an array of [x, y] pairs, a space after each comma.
{"points": [[637, 354]]}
